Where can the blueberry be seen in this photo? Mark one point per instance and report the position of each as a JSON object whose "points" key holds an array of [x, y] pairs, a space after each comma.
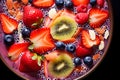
{"points": [[60, 45], [30, 1], [26, 32], [68, 4], [92, 2], [77, 61], [71, 48], [8, 39], [59, 3], [88, 60]]}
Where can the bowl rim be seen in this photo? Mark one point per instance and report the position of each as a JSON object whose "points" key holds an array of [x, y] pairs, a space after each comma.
{"points": [[99, 61]]}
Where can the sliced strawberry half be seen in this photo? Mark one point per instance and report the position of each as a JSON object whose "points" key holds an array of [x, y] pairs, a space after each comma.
{"points": [[8, 24], [87, 42], [43, 3], [42, 40], [30, 62], [16, 49], [97, 17]]}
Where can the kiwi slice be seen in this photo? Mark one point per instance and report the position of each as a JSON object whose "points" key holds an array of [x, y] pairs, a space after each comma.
{"points": [[63, 28], [61, 67]]}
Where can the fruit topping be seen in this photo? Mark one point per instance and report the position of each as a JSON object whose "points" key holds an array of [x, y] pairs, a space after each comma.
{"points": [[87, 42], [93, 2], [8, 24], [52, 13], [92, 34], [81, 18], [8, 39], [81, 8], [82, 51], [79, 2], [42, 40], [61, 67], [100, 2], [30, 62], [59, 3], [32, 17], [97, 17], [63, 28], [77, 61], [88, 61], [71, 48], [16, 49], [26, 32], [68, 4], [43, 3], [60, 45]]}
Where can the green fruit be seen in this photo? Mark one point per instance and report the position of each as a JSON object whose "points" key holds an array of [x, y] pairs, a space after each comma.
{"points": [[61, 67], [63, 28]]}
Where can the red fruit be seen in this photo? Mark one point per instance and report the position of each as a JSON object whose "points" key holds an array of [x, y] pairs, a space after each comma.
{"points": [[42, 40], [8, 24], [81, 18], [29, 62], [16, 49], [79, 2], [43, 3], [82, 51], [32, 17], [87, 42], [97, 17], [100, 2], [81, 8]]}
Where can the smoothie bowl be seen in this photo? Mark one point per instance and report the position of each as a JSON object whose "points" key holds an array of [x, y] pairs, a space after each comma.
{"points": [[54, 39]]}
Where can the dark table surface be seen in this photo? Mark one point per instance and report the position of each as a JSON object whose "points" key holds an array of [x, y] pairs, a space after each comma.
{"points": [[105, 71]]}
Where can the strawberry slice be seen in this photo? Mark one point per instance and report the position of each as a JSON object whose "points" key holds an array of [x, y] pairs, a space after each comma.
{"points": [[30, 62], [97, 17], [79, 2], [87, 42], [8, 24], [42, 40], [43, 3], [16, 49]]}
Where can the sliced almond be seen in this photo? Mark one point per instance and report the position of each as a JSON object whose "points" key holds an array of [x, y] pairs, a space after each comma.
{"points": [[102, 45], [52, 12], [106, 35], [92, 34], [19, 16], [25, 1]]}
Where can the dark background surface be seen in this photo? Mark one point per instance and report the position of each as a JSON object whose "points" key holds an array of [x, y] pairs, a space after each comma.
{"points": [[108, 67]]}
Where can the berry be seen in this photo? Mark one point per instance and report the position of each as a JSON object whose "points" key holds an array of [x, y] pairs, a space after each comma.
{"points": [[97, 17], [81, 8], [82, 51], [59, 3], [30, 1], [78, 2], [100, 2], [8, 24], [93, 2], [60, 45], [26, 32], [68, 4], [77, 61], [8, 39], [88, 60], [81, 18], [71, 48]]}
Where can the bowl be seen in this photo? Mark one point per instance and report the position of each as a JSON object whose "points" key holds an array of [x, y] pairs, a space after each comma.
{"points": [[97, 56]]}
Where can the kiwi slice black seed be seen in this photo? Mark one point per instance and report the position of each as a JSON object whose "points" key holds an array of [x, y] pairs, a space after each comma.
{"points": [[63, 28], [61, 67]]}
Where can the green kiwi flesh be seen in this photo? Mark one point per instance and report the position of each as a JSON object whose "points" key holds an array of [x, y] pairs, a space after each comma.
{"points": [[61, 67], [63, 28]]}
